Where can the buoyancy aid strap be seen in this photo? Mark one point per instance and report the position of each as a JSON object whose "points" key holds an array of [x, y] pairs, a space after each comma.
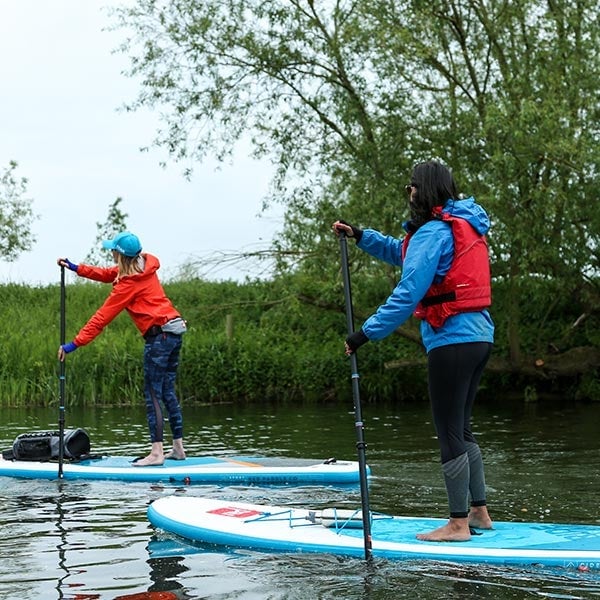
{"points": [[438, 299]]}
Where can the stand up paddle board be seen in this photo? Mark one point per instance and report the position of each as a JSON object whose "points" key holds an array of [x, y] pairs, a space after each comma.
{"points": [[205, 469], [276, 528]]}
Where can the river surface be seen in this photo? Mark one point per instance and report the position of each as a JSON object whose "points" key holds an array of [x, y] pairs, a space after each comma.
{"points": [[86, 540]]}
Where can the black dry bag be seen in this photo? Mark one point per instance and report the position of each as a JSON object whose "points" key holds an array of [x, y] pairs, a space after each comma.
{"points": [[45, 445]]}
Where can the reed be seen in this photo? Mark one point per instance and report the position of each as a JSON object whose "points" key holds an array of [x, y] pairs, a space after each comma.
{"points": [[246, 342], [272, 341]]}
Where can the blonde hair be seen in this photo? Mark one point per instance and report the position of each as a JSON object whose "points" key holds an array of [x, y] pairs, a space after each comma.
{"points": [[128, 265]]}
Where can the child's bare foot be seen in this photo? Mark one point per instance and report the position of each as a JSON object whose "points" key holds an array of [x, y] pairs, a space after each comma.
{"points": [[152, 460], [177, 452], [456, 530]]}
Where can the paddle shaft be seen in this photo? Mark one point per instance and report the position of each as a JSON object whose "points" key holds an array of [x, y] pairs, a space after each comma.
{"points": [[61, 379], [358, 422]]}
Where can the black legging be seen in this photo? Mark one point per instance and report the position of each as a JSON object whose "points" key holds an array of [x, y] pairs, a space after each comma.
{"points": [[454, 375]]}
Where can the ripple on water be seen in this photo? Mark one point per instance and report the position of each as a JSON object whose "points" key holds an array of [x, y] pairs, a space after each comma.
{"points": [[63, 539]]}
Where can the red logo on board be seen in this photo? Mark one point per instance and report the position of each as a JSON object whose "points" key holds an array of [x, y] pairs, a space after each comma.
{"points": [[232, 511]]}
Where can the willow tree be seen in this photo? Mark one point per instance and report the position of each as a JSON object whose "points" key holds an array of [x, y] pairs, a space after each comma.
{"points": [[344, 96], [296, 79]]}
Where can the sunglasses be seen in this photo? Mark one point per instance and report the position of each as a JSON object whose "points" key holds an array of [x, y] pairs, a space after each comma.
{"points": [[409, 188]]}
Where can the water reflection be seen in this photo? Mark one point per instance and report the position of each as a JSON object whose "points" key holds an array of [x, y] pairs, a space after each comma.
{"points": [[350, 578], [62, 535], [69, 539], [164, 574]]}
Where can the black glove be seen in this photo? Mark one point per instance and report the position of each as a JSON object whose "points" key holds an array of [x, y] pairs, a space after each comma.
{"points": [[356, 340], [356, 232]]}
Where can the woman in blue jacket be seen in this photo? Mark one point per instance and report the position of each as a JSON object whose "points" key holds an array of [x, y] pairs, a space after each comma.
{"points": [[445, 282]]}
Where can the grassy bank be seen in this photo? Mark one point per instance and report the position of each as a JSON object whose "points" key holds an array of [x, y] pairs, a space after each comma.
{"points": [[250, 342], [259, 341]]}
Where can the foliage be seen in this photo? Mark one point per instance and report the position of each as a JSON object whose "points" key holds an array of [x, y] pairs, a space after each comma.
{"points": [[345, 96], [116, 221], [16, 214], [257, 341]]}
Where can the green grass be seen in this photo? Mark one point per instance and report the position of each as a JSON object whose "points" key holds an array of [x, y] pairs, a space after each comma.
{"points": [[278, 350]]}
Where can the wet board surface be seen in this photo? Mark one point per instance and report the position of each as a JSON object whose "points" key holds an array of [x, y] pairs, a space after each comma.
{"points": [[285, 529], [203, 469]]}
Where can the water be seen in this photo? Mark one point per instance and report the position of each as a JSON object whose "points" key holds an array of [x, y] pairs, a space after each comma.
{"points": [[83, 540]]}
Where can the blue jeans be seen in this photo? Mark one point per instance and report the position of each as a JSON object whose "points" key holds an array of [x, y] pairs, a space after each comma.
{"points": [[161, 359]]}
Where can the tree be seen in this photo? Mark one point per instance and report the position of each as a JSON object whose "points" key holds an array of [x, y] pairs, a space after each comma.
{"points": [[16, 214], [115, 223], [345, 96], [516, 113], [297, 80]]}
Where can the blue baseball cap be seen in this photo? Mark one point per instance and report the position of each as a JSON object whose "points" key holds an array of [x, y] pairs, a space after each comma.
{"points": [[125, 242]]}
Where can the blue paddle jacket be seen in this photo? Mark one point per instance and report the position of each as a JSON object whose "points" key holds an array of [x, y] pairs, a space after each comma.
{"points": [[428, 259]]}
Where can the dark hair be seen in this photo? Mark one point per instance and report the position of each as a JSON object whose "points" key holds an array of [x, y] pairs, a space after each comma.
{"points": [[434, 187]]}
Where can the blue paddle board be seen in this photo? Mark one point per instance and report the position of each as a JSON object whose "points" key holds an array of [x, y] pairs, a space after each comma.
{"points": [[204, 469], [276, 528]]}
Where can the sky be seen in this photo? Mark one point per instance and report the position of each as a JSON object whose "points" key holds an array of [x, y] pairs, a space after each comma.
{"points": [[61, 88]]}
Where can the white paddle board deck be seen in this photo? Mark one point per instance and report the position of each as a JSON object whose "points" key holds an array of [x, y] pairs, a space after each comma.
{"points": [[204, 469], [274, 528]]}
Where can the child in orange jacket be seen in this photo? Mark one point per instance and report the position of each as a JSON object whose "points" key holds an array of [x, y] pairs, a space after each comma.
{"points": [[137, 289]]}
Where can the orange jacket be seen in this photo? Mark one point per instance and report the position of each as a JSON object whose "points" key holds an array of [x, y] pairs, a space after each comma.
{"points": [[141, 295]]}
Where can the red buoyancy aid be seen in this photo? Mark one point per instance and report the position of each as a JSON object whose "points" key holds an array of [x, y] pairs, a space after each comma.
{"points": [[466, 287]]}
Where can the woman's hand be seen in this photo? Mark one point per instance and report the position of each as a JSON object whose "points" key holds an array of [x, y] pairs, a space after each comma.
{"points": [[349, 230]]}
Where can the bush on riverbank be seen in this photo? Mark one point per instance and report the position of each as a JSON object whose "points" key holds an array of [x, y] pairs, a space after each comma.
{"points": [[257, 341], [246, 342]]}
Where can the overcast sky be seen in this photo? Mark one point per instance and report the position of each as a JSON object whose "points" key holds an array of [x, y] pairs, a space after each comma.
{"points": [[61, 87]]}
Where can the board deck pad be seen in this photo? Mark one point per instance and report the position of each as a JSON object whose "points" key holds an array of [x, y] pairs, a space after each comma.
{"points": [[200, 469], [276, 528]]}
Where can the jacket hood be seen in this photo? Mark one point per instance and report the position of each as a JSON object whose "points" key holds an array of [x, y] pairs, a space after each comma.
{"points": [[470, 211], [151, 265]]}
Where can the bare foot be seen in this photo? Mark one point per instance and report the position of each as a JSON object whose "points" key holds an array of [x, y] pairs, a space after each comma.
{"points": [[456, 530], [173, 455], [177, 452], [479, 518], [152, 460]]}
